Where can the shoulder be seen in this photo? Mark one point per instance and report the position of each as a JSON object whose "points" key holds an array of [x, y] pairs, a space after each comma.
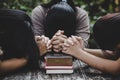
{"points": [[39, 9], [81, 12]]}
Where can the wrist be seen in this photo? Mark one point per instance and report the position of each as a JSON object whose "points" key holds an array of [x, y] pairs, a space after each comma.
{"points": [[78, 52], [42, 50]]}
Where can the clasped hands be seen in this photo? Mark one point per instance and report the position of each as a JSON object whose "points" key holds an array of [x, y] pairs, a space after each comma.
{"points": [[59, 42]]}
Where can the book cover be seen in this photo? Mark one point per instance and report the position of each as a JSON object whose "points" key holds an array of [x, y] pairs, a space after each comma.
{"points": [[57, 60], [59, 71]]}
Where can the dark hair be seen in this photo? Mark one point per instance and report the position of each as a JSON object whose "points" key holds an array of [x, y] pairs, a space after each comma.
{"points": [[60, 17], [16, 36], [107, 30], [53, 2]]}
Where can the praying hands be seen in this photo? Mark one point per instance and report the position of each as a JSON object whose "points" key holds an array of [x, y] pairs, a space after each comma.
{"points": [[59, 42]]}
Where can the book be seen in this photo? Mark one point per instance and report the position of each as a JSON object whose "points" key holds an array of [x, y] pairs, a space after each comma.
{"points": [[58, 67], [57, 60], [58, 64], [59, 71]]}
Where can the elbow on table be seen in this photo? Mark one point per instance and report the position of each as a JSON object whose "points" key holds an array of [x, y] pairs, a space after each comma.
{"points": [[112, 68], [115, 70]]}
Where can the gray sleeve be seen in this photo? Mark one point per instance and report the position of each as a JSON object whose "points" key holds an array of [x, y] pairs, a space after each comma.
{"points": [[37, 17], [83, 25]]}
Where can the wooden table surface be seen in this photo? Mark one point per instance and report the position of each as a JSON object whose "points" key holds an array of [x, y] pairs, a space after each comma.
{"points": [[81, 72]]}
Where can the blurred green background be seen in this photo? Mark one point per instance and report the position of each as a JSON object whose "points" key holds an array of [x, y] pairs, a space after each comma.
{"points": [[95, 9]]}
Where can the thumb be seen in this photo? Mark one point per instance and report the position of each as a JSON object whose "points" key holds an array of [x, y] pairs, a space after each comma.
{"points": [[59, 32]]}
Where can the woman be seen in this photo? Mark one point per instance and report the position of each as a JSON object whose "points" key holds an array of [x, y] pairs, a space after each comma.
{"points": [[106, 32], [17, 44], [42, 15]]}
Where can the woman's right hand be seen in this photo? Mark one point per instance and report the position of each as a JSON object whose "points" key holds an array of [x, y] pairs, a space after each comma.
{"points": [[44, 44]]}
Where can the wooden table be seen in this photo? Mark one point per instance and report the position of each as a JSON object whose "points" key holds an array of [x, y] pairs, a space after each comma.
{"points": [[81, 72]]}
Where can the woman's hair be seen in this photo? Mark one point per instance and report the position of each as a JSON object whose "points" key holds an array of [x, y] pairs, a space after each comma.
{"points": [[53, 2], [60, 17], [16, 36], [107, 31]]}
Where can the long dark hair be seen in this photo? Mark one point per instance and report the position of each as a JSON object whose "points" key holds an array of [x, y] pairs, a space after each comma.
{"points": [[60, 17], [52, 2], [107, 31], [16, 36]]}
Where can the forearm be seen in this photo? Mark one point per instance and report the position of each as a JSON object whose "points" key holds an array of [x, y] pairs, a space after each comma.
{"points": [[104, 65], [12, 64], [96, 52]]}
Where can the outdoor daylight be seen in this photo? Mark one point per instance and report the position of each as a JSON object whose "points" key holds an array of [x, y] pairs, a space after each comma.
{"points": [[59, 39]]}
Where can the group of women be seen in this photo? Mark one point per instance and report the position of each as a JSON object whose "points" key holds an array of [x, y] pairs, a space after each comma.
{"points": [[60, 27]]}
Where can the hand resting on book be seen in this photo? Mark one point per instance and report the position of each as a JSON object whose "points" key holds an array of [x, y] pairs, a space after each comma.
{"points": [[58, 40]]}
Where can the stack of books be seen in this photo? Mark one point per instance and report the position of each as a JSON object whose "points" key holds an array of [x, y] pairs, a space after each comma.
{"points": [[58, 64]]}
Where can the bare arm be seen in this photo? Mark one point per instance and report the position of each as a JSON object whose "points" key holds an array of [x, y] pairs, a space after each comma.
{"points": [[96, 52], [12, 64], [102, 64], [105, 65]]}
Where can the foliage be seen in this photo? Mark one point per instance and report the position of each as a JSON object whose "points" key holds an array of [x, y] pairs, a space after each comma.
{"points": [[95, 8]]}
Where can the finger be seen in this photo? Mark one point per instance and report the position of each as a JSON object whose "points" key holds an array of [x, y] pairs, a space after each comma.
{"points": [[78, 38], [64, 36], [56, 42], [66, 44], [49, 47], [43, 39], [74, 39], [70, 41], [59, 32], [61, 38], [49, 43], [64, 49], [56, 46], [56, 50], [60, 49], [61, 44], [54, 38], [46, 40], [49, 50], [37, 38]]}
